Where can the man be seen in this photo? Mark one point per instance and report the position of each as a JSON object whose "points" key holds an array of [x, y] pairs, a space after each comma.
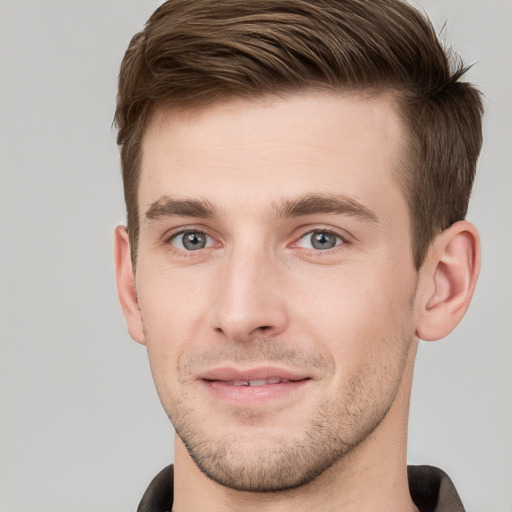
{"points": [[296, 177]]}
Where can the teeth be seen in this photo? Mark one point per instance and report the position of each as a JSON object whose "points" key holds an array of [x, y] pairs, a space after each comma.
{"points": [[240, 383], [258, 382]]}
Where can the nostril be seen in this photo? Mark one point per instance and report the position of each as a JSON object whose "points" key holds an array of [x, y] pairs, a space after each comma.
{"points": [[261, 330]]}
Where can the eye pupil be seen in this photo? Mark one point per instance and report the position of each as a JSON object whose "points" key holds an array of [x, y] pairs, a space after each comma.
{"points": [[194, 241], [323, 240]]}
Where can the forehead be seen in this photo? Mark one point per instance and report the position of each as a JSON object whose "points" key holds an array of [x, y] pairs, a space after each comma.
{"points": [[262, 149]]}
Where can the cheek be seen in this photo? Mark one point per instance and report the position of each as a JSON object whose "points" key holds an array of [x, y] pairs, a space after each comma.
{"points": [[366, 328], [172, 300], [355, 312], [173, 315]]}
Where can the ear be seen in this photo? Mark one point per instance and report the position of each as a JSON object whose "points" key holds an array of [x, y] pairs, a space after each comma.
{"points": [[125, 278], [447, 280]]}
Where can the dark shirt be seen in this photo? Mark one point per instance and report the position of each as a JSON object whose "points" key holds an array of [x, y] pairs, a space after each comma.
{"points": [[431, 490]]}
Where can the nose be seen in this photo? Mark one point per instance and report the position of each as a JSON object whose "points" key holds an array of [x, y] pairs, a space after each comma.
{"points": [[249, 299]]}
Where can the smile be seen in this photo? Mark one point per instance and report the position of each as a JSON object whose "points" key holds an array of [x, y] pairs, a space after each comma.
{"points": [[253, 387]]}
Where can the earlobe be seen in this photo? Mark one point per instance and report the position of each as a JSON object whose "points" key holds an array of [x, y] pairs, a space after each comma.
{"points": [[448, 279], [125, 278]]}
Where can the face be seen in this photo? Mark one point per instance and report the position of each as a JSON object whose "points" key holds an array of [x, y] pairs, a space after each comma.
{"points": [[275, 281]]}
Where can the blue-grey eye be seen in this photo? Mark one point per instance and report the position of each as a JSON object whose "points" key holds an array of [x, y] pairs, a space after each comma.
{"points": [[192, 241], [320, 240]]}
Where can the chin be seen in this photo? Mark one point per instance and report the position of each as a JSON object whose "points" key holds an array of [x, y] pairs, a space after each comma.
{"points": [[270, 469], [265, 461]]}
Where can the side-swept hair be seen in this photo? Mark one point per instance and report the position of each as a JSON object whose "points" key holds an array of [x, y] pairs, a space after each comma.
{"points": [[197, 52]]}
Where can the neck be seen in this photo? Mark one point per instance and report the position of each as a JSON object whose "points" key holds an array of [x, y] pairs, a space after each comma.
{"points": [[371, 478]]}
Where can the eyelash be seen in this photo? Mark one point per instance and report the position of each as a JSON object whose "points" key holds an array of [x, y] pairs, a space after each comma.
{"points": [[341, 241], [168, 240]]}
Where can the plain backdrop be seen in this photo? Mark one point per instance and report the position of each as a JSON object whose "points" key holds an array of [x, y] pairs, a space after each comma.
{"points": [[81, 428]]}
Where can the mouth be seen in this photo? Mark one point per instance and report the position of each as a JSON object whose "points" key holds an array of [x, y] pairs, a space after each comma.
{"points": [[252, 387]]}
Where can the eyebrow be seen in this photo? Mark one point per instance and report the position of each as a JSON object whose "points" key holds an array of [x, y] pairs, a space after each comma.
{"points": [[168, 207], [311, 204], [308, 204]]}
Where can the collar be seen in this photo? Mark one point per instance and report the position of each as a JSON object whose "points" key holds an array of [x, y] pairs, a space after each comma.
{"points": [[431, 490]]}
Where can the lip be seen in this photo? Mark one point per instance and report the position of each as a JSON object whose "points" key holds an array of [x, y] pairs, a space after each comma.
{"points": [[253, 386]]}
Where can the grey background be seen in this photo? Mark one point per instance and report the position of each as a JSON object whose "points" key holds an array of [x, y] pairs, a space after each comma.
{"points": [[81, 427]]}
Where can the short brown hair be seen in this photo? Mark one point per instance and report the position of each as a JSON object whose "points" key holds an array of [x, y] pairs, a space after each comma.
{"points": [[196, 52]]}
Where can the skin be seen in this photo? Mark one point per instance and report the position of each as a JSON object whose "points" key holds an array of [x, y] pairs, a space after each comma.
{"points": [[262, 300]]}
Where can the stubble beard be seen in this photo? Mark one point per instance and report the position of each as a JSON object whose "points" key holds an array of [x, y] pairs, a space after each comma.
{"points": [[289, 464], [338, 425]]}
